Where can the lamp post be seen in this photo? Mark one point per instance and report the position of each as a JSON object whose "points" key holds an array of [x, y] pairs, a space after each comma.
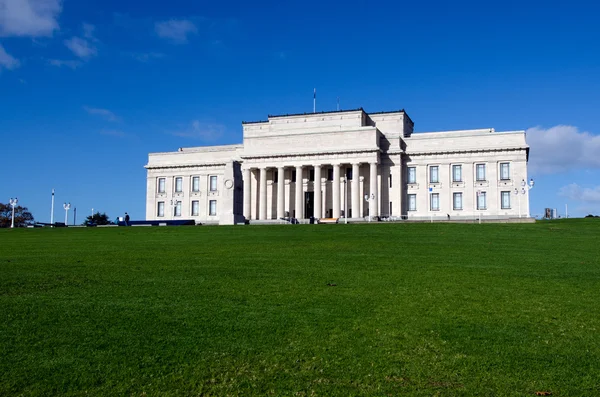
{"points": [[13, 202], [52, 210], [67, 207], [345, 179], [525, 187], [369, 198]]}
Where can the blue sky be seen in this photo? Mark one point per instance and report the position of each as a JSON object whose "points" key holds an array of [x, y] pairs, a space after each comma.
{"points": [[89, 88]]}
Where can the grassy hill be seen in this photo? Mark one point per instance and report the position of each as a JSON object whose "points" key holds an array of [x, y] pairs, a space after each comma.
{"points": [[371, 309]]}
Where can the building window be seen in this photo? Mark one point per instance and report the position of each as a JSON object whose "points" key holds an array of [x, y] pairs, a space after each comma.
{"points": [[195, 208], [293, 175], [349, 173], [390, 180], [505, 171], [161, 185], [212, 208], [412, 202], [178, 184], [161, 209], [275, 176], [195, 184], [505, 200], [457, 173], [177, 208], [481, 201], [480, 172], [457, 201], [330, 174], [390, 208], [412, 175], [213, 183], [434, 174], [435, 201], [311, 175]]}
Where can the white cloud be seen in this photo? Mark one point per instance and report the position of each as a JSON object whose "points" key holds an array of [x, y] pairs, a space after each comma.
{"points": [[7, 61], [201, 131], [176, 30], [562, 148], [578, 193], [32, 18], [73, 64], [105, 113], [81, 47]]}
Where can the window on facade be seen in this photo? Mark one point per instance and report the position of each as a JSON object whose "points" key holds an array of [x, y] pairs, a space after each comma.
{"points": [[195, 208], [457, 201], [480, 172], [177, 211], [435, 201], [330, 174], [160, 211], [212, 207], [349, 173], [481, 201], [390, 208], [505, 200], [434, 174], [213, 183], [178, 184], [311, 175], [390, 180], [412, 175], [412, 202], [161, 185], [195, 184], [457, 173], [505, 171]]}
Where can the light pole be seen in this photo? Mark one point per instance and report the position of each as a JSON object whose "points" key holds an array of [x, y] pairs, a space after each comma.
{"points": [[52, 210], [345, 179], [67, 207], [369, 198], [525, 187], [13, 202]]}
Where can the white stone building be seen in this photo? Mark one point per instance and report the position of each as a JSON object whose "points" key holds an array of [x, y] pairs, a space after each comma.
{"points": [[325, 164]]}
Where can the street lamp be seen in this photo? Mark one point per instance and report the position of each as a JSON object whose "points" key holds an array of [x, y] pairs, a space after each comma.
{"points": [[13, 202], [369, 198], [345, 180], [67, 207], [525, 187]]}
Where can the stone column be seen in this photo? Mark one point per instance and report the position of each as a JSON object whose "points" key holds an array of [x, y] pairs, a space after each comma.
{"points": [[335, 184], [373, 190], [362, 196], [280, 192], [299, 194], [262, 205], [355, 191], [317, 191], [247, 194]]}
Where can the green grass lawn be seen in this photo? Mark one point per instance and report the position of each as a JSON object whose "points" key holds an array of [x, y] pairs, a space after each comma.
{"points": [[410, 309]]}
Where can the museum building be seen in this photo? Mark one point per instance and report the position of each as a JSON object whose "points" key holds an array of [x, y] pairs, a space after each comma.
{"points": [[366, 166]]}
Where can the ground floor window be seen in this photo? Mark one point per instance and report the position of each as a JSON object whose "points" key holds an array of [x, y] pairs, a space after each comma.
{"points": [[412, 202], [212, 208], [457, 201], [161, 209], [195, 208], [505, 199], [177, 208], [481, 201], [435, 201]]}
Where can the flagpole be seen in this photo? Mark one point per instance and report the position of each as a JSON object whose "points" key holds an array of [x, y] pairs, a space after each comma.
{"points": [[315, 101], [52, 209]]}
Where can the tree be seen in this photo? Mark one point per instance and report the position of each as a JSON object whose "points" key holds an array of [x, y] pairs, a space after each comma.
{"points": [[22, 216], [97, 219]]}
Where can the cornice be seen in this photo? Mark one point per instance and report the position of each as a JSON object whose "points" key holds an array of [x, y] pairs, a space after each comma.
{"points": [[184, 166], [308, 154], [434, 153]]}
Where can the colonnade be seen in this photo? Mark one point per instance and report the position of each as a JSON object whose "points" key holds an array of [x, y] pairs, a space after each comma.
{"points": [[338, 180]]}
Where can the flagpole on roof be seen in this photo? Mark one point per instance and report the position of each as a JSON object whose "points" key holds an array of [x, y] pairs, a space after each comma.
{"points": [[315, 101]]}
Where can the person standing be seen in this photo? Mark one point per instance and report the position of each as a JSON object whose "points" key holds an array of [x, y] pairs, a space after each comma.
{"points": [[126, 219]]}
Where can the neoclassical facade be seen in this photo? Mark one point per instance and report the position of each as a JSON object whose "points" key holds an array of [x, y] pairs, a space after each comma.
{"points": [[343, 164]]}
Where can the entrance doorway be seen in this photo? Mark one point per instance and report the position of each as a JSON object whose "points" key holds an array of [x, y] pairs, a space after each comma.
{"points": [[309, 204]]}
